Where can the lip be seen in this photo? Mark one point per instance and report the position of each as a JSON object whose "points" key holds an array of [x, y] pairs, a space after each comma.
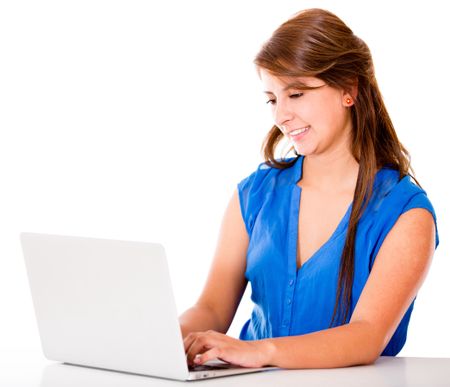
{"points": [[301, 135]]}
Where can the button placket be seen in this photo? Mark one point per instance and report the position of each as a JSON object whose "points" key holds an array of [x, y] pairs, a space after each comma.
{"points": [[289, 295], [291, 261]]}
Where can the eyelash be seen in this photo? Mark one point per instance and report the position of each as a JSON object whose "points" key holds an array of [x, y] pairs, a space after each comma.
{"points": [[296, 95]]}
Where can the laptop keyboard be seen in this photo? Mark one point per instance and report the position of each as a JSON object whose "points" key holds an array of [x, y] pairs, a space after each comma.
{"points": [[211, 367]]}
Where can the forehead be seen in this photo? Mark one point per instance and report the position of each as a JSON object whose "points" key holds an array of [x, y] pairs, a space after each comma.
{"points": [[276, 84]]}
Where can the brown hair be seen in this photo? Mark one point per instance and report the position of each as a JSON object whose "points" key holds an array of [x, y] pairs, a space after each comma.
{"points": [[316, 43]]}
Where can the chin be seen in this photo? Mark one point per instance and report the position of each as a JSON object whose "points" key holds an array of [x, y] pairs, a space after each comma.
{"points": [[303, 151], [306, 149]]}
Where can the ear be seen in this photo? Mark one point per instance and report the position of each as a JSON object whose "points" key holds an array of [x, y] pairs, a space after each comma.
{"points": [[349, 97]]}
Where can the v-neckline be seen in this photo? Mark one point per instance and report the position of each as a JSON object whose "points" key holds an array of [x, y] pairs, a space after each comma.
{"points": [[295, 214], [333, 235]]}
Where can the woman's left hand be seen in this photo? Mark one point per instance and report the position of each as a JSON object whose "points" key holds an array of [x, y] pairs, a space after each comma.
{"points": [[201, 347]]}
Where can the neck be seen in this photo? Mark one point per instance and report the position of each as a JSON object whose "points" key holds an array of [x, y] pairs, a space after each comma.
{"points": [[333, 171]]}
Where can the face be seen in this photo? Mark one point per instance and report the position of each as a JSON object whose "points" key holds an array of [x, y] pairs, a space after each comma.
{"points": [[316, 121]]}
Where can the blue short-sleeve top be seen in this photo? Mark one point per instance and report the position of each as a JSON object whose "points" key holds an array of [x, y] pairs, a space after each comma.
{"points": [[290, 301]]}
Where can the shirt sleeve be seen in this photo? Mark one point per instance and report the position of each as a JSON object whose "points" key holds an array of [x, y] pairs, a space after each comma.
{"points": [[403, 198], [421, 201]]}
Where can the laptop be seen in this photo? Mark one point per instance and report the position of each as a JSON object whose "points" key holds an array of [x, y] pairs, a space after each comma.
{"points": [[109, 304]]}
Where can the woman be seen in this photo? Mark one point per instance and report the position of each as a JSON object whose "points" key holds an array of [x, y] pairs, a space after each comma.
{"points": [[336, 241]]}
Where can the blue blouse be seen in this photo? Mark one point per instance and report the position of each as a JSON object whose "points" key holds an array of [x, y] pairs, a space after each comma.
{"points": [[288, 301]]}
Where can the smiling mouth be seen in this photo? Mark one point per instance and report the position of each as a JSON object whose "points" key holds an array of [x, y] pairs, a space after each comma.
{"points": [[298, 132]]}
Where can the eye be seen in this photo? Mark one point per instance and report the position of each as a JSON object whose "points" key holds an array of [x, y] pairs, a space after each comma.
{"points": [[296, 95]]}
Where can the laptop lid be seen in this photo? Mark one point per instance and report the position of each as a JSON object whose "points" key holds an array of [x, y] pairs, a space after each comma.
{"points": [[105, 303]]}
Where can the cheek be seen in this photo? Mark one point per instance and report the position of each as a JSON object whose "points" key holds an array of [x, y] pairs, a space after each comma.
{"points": [[318, 109], [309, 113], [329, 112]]}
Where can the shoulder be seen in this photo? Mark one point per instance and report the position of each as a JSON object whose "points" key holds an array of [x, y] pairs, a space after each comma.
{"points": [[255, 188], [393, 198], [392, 192], [266, 176]]}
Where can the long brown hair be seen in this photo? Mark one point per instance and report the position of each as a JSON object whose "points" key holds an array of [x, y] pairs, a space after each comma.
{"points": [[316, 43]]}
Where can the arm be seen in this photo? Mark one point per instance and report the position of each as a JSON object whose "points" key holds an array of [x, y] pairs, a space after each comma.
{"points": [[226, 281], [397, 274]]}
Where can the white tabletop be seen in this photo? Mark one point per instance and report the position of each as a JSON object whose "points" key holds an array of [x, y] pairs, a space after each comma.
{"points": [[387, 371]]}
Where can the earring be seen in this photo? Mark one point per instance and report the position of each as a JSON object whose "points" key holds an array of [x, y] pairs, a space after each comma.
{"points": [[348, 100]]}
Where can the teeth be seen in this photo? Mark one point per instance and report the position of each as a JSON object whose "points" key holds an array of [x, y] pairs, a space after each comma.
{"points": [[298, 131]]}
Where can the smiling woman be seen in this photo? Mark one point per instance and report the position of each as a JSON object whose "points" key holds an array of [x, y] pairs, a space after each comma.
{"points": [[336, 241]]}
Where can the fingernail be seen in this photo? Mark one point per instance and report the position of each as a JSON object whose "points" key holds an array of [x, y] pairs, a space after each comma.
{"points": [[197, 359]]}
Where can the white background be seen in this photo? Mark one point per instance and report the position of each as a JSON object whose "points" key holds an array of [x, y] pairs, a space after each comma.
{"points": [[135, 120]]}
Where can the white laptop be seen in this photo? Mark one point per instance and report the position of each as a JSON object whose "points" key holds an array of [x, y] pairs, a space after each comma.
{"points": [[109, 304]]}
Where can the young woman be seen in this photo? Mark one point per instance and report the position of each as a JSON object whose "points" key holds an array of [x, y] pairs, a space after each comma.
{"points": [[336, 241]]}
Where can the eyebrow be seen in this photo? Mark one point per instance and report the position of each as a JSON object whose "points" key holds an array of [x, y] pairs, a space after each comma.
{"points": [[296, 85]]}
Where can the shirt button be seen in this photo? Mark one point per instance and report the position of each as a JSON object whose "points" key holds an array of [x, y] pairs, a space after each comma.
{"points": [[289, 301], [291, 282]]}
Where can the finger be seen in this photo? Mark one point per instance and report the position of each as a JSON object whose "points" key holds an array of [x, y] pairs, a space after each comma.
{"points": [[211, 354], [189, 339], [198, 346], [196, 351]]}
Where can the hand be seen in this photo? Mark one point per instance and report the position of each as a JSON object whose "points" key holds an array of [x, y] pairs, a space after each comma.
{"points": [[201, 347]]}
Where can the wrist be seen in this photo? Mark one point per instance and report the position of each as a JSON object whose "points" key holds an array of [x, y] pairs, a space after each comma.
{"points": [[268, 349]]}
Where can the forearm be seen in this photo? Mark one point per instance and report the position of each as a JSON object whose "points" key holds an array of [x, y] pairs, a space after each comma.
{"points": [[351, 344], [199, 318]]}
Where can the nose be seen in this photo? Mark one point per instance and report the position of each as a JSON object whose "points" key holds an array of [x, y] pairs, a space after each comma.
{"points": [[283, 114]]}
